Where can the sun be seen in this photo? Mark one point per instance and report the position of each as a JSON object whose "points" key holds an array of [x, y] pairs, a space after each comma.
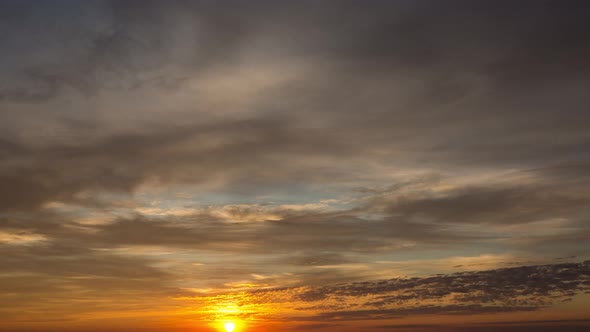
{"points": [[229, 326]]}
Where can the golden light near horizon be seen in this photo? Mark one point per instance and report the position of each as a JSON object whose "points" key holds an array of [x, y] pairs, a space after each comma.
{"points": [[229, 326], [228, 310]]}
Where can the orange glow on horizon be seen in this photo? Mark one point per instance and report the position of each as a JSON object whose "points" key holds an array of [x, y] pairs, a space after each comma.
{"points": [[230, 325], [227, 318]]}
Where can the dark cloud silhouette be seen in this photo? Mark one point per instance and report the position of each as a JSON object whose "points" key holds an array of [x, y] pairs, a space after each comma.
{"points": [[525, 288]]}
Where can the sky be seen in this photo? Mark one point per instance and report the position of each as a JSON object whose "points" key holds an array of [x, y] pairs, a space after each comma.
{"points": [[261, 166]]}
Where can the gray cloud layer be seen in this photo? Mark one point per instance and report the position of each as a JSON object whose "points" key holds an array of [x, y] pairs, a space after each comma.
{"points": [[392, 83], [312, 140]]}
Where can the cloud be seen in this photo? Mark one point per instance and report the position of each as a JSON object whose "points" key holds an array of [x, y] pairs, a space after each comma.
{"points": [[165, 146], [155, 74], [68, 282], [525, 288]]}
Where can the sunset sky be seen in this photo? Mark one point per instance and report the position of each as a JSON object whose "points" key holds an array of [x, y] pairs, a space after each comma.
{"points": [[266, 166]]}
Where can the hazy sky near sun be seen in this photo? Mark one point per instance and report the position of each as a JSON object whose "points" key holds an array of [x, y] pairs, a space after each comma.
{"points": [[294, 165]]}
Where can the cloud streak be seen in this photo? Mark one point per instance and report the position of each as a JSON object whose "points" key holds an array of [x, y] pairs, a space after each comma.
{"points": [[526, 288]]}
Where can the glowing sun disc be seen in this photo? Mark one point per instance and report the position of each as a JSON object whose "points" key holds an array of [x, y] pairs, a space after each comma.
{"points": [[229, 326]]}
